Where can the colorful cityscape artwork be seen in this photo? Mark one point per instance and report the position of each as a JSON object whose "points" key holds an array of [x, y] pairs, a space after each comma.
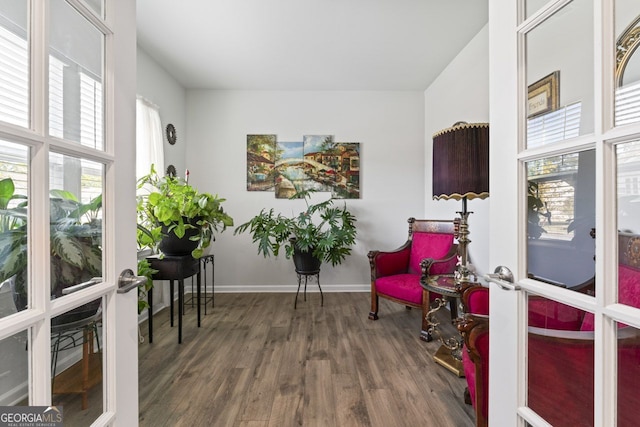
{"points": [[317, 162]]}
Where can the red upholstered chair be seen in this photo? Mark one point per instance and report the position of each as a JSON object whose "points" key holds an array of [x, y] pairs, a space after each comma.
{"points": [[395, 275], [475, 352]]}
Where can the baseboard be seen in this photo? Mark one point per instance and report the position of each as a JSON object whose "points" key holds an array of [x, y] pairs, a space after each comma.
{"points": [[311, 287]]}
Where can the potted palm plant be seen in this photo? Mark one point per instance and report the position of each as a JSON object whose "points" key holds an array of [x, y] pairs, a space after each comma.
{"points": [[176, 219], [322, 230]]}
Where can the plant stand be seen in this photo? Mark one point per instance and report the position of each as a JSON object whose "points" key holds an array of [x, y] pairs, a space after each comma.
{"points": [[306, 275]]}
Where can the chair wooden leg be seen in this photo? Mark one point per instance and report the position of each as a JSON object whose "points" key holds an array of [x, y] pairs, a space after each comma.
{"points": [[373, 314], [425, 332]]}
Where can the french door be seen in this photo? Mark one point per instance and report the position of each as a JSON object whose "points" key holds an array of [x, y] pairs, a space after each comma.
{"points": [[565, 130], [67, 140]]}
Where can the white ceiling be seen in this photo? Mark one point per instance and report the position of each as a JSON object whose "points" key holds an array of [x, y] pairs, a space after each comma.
{"points": [[307, 44]]}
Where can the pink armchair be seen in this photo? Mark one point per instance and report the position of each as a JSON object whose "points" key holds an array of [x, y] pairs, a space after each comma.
{"points": [[395, 275]]}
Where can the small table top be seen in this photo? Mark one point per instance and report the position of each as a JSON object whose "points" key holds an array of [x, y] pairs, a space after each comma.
{"points": [[444, 284], [173, 267]]}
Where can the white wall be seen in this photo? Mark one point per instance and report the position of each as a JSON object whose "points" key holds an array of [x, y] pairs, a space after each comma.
{"points": [[390, 128], [460, 93], [158, 86], [155, 84]]}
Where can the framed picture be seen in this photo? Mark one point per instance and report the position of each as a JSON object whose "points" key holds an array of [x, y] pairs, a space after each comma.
{"points": [[544, 95]]}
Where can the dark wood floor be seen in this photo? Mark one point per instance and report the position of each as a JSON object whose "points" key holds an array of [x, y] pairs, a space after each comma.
{"points": [[258, 362]]}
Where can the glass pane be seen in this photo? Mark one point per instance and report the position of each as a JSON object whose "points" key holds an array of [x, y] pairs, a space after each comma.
{"points": [[628, 375], [76, 363], [561, 220], [75, 78], [560, 76], [627, 107], [97, 6], [14, 62], [532, 6], [14, 176], [14, 363], [560, 364], [76, 222]]}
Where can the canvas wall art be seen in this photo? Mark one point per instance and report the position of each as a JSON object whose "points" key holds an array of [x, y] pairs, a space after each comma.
{"points": [[317, 162], [261, 153]]}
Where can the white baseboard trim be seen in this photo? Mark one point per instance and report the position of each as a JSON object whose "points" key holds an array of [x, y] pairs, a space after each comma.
{"points": [[311, 287]]}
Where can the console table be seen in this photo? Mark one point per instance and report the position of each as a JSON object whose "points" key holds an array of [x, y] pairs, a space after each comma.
{"points": [[173, 268]]}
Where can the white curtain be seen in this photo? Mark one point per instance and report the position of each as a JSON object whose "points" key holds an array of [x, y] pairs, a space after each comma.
{"points": [[149, 140]]}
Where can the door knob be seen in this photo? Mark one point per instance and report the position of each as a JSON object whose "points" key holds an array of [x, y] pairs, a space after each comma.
{"points": [[128, 281], [502, 277]]}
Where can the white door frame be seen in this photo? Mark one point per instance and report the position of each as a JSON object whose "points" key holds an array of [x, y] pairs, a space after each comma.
{"points": [[508, 331], [120, 320]]}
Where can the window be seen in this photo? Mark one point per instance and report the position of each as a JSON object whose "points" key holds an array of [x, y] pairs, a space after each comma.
{"points": [[149, 140], [555, 126]]}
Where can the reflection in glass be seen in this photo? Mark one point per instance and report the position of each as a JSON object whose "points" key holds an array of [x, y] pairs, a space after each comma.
{"points": [[628, 186], [560, 363], [628, 374], [14, 361], [627, 68], [97, 6], [14, 62], [14, 176], [75, 78], [561, 217], [76, 222], [76, 362], [560, 75]]}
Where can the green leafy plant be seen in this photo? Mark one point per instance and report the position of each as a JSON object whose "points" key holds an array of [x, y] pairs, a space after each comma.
{"points": [[537, 209], [326, 230], [75, 235], [173, 203], [144, 269]]}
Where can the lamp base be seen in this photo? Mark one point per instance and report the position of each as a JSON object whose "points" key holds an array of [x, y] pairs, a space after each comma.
{"points": [[444, 358]]}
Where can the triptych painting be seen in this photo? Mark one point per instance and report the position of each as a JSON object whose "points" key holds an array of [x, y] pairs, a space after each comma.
{"points": [[316, 162]]}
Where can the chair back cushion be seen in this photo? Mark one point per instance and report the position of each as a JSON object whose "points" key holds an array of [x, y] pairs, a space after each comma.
{"points": [[477, 300], [628, 294], [431, 245]]}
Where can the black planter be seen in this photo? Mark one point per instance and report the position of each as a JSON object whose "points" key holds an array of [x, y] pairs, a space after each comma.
{"points": [[173, 245], [306, 262]]}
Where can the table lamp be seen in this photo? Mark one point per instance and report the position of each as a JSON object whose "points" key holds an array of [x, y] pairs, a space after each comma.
{"points": [[461, 172]]}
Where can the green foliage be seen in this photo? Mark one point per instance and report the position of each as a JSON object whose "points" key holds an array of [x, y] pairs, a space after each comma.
{"points": [[174, 203], [75, 236], [144, 269], [330, 237], [536, 210]]}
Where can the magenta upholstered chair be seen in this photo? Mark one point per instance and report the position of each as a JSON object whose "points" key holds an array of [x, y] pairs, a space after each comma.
{"points": [[395, 275], [475, 352]]}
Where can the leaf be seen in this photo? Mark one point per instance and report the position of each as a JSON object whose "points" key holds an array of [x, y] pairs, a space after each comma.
{"points": [[7, 189], [67, 248], [65, 195]]}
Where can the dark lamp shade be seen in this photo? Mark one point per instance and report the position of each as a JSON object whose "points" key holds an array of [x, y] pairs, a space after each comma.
{"points": [[461, 162]]}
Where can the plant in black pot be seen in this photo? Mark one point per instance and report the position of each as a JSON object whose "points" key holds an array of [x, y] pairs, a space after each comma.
{"points": [[323, 231], [175, 218]]}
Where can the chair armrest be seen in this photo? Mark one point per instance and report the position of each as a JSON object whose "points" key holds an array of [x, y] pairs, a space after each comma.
{"points": [[388, 263], [471, 327], [427, 263]]}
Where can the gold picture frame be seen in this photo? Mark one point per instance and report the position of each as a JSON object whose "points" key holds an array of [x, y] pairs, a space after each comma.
{"points": [[544, 95]]}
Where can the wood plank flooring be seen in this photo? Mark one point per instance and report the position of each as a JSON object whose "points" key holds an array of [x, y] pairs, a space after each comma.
{"points": [[258, 362]]}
